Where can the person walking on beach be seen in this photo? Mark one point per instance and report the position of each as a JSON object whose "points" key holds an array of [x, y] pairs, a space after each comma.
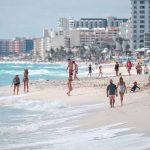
{"points": [[16, 84], [90, 70], [117, 68], [70, 67], [122, 89], [138, 69], [100, 71], [129, 66], [26, 80], [75, 70], [111, 92]]}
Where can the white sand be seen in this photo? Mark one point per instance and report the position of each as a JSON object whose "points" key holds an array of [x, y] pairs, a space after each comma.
{"points": [[135, 112]]}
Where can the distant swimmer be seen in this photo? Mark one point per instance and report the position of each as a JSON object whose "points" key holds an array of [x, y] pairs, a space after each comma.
{"points": [[90, 69], [26, 80], [16, 84], [111, 92], [122, 89]]}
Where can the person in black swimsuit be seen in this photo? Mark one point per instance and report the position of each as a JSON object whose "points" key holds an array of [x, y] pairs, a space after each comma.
{"points": [[16, 83], [117, 68], [90, 70]]}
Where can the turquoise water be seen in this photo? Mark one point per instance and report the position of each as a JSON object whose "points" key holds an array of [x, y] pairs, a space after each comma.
{"points": [[36, 72]]}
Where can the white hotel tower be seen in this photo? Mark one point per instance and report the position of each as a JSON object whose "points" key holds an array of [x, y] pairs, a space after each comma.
{"points": [[140, 22]]}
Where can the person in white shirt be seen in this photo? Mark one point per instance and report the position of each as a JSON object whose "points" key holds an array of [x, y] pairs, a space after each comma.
{"points": [[146, 69]]}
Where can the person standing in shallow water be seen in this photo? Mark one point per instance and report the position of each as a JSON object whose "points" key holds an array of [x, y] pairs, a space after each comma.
{"points": [[26, 80], [111, 92], [16, 84], [122, 89]]}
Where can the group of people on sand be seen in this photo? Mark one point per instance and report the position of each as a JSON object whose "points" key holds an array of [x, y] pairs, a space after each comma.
{"points": [[112, 90], [16, 82], [129, 66], [72, 69]]}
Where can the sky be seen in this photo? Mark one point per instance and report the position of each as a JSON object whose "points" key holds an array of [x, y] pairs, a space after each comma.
{"points": [[28, 18]]}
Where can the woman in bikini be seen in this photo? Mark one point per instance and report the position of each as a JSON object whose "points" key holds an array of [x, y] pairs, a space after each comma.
{"points": [[122, 89], [26, 80]]}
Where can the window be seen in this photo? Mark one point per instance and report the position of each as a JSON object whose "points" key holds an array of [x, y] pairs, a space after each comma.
{"points": [[134, 16], [142, 11], [135, 2], [142, 26], [142, 2], [134, 26], [142, 21], [134, 31], [142, 7], [141, 31], [135, 21], [141, 36], [141, 41], [142, 16], [135, 12]]}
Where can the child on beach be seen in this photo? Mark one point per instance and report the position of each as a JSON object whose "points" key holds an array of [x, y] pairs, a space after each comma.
{"points": [[111, 92], [134, 87], [16, 83]]}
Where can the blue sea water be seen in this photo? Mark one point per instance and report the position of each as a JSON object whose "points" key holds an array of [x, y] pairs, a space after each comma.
{"points": [[36, 71]]}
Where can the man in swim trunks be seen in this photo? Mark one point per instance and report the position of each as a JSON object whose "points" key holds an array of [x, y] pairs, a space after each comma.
{"points": [[111, 93]]}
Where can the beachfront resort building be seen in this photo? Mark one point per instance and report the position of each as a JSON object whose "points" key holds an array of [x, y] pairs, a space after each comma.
{"points": [[15, 46], [140, 22], [90, 23], [147, 40]]}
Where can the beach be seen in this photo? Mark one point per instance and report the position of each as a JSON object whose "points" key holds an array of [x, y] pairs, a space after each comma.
{"points": [[90, 109]]}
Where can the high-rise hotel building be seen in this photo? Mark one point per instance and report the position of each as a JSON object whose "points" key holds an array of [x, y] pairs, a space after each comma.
{"points": [[140, 22]]}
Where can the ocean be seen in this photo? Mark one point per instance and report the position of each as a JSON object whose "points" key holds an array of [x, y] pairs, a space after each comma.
{"points": [[45, 125]]}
